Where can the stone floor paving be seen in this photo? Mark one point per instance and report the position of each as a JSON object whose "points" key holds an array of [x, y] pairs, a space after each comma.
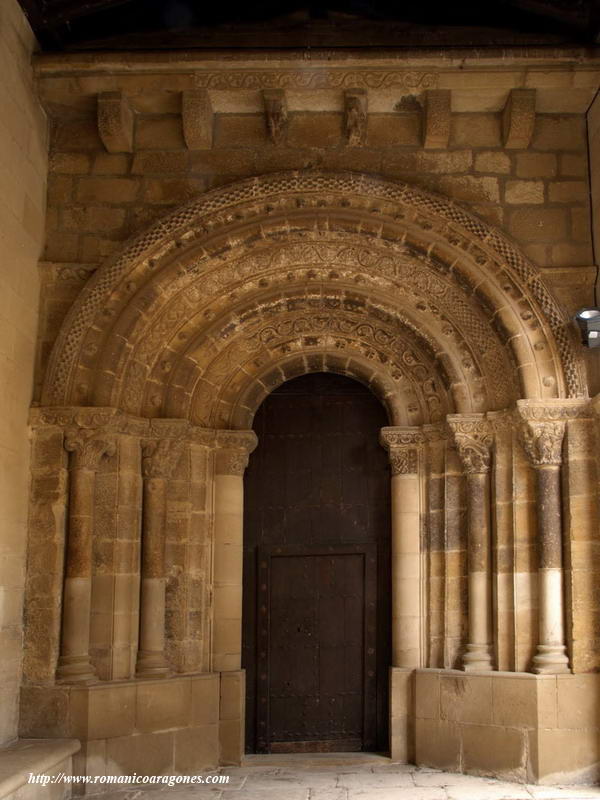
{"points": [[356, 777]]}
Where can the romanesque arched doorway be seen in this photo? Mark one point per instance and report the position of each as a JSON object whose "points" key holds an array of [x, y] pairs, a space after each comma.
{"points": [[316, 604], [145, 431]]}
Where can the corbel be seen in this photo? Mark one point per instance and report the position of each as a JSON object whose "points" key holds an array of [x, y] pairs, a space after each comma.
{"points": [[356, 116], [197, 119], [518, 119], [436, 118], [115, 122], [276, 113]]}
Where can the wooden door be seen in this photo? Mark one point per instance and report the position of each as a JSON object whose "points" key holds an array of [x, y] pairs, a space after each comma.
{"points": [[316, 627]]}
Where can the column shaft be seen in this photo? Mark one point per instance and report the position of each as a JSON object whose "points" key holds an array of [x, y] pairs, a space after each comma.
{"points": [[542, 440], [551, 656], [74, 664], [402, 444], [160, 459], [151, 659], [474, 440], [478, 654]]}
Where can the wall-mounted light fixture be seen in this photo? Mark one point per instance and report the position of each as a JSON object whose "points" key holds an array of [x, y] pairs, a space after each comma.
{"points": [[588, 320]]}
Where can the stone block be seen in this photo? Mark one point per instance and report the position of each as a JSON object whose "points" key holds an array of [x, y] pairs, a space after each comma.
{"points": [[157, 162], [565, 756], [107, 190], [578, 697], [536, 165], [475, 130], [394, 130], [538, 224], [145, 754], [239, 131], [524, 192], [205, 699], [427, 693], [111, 163], [161, 705], [495, 751], [568, 191], [575, 166], [437, 744], [231, 741], [554, 132], [493, 161], [232, 695], [314, 130], [70, 163], [159, 133], [515, 700], [196, 749], [109, 710], [466, 698], [45, 712]]}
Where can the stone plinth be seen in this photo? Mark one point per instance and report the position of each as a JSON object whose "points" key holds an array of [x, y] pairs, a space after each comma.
{"points": [[175, 725], [509, 725]]}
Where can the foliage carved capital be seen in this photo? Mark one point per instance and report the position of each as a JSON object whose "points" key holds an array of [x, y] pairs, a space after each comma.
{"points": [[88, 447], [474, 439]]}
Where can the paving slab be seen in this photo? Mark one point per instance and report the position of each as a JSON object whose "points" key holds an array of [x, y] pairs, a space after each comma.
{"points": [[350, 777]]}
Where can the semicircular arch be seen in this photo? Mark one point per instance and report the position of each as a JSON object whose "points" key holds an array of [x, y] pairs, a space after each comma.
{"points": [[297, 245]]}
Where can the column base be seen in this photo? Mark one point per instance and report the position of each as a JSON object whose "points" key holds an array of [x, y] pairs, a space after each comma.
{"points": [[75, 669], [152, 664], [477, 658], [550, 660]]}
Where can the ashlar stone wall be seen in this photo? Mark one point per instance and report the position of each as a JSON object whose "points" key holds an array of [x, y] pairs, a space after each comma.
{"points": [[187, 126], [23, 161]]}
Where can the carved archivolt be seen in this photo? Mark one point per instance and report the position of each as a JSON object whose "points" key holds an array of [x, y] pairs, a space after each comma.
{"points": [[283, 263]]}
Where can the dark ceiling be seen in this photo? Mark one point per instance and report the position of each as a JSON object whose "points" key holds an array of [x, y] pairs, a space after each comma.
{"points": [[188, 24]]}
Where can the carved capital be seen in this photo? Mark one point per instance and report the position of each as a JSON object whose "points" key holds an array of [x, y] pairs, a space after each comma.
{"points": [[233, 451], [474, 439], [542, 441], [402, 444], [160, 457], [88, 447]]}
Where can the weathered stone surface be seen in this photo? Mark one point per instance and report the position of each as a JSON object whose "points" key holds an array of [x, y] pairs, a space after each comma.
{"points": [[115, 122]]}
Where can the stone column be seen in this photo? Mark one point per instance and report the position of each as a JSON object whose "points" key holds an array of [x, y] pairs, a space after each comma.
{"points": [[542, 441], [233, 450], [473, 437], [402, 444], [160, 457], [87, 447]]}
